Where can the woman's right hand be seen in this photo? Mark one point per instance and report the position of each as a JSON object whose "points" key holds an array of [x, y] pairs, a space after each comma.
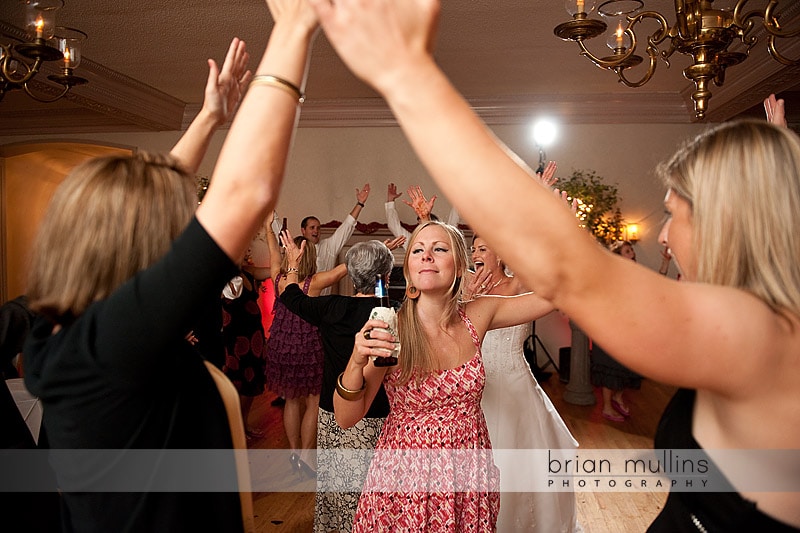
{"points": [[293, 252], [295, 11], [421, 206], [371, 342], [380, 40]]}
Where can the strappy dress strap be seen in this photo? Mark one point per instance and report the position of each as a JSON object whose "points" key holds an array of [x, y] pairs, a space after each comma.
{"points": [[306, 285], [471, 328]]}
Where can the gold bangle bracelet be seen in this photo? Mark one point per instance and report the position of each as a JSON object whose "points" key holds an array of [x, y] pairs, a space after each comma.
{"points": [[347, 394], [279, 83]]}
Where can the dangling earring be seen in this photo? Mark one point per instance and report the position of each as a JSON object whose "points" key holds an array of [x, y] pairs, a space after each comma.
{"points": [[412, 292]]}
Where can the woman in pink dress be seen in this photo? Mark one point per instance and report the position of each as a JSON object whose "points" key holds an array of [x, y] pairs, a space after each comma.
{"points": [[433, 468]]}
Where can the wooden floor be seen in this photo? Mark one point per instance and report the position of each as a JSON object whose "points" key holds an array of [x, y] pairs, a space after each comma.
{"points": [[598, 512]]}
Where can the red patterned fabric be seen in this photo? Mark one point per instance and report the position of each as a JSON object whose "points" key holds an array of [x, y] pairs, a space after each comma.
{"points": [[435, 444]]}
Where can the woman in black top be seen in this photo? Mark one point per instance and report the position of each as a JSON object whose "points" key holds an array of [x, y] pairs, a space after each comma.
{"points": [[122, 263], [339, 318]]}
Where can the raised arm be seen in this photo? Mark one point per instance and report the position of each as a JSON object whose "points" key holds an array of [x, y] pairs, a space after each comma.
{"points": [[492, 312], [392, 218], [275, 257], [224, 90], [361, 199], [248, 175]]}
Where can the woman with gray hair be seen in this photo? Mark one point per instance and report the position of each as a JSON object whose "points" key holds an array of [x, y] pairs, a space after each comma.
{"points": [[339, 318]]}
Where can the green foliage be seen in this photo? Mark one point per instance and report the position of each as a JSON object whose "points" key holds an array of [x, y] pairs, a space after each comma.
{"points": [[597, 205]]}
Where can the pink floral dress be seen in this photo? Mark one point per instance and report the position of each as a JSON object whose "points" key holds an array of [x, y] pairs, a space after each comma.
{"points": [[433, 469]]}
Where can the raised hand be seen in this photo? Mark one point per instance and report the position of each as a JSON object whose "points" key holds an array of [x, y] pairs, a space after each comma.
{"points": [[548, 176], [295, 11], [293, 252], [395, 243], [378, 39], [363, 194], [225, 87], [392, 194], [573, 206], [418, 203], [776, 110]]}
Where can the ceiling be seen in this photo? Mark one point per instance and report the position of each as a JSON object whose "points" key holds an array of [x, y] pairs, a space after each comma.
{"points": [[145, 62]]}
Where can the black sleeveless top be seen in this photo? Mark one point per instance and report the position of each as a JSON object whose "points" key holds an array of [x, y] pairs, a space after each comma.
{"points": [[702, 511]]}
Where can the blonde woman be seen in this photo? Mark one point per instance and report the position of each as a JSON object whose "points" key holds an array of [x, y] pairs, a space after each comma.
{"points": [[728, 334], [434, 395]]}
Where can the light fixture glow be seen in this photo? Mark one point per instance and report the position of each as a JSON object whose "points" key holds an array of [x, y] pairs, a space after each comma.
{"points": [[544, 132]]}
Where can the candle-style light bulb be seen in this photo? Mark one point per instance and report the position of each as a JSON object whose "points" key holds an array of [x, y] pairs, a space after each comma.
{"points": [[618, 40], [575, 7], [39, 26]]}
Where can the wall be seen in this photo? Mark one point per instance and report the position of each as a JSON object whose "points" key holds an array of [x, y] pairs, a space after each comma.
{"points": [[327, 164], [31, 174]]}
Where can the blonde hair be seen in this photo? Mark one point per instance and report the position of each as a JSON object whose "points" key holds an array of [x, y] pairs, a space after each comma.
{"points": [[110, 218], [415, 357], [742, 181], [308, 261]]}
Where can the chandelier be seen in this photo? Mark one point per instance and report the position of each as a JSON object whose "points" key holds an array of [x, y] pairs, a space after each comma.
{"points": [[20, 63], [700, 31]]}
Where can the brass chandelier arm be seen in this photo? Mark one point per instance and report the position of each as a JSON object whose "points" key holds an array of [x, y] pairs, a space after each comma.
{"points": [[773, 26], [45, 100], [777, 55], [651, 69], [8, 75], [622, 61]]}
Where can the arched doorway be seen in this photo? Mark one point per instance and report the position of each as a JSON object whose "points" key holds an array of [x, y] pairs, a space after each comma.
{"points": [[29, 174]]}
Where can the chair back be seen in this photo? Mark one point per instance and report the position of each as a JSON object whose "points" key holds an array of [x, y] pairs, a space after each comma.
{"points": [[230, 397]]}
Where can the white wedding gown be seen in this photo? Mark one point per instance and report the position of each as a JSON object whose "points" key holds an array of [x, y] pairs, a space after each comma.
{"points": [[520, 416]]}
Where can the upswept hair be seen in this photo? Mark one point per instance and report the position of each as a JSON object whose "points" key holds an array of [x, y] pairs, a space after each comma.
{"points": [[110, 218], [308, 261], [415, 353], [742, 181], [366, 261]]}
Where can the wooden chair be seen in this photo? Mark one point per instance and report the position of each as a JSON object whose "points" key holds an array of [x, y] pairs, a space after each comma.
{"points": [[230, 397]]}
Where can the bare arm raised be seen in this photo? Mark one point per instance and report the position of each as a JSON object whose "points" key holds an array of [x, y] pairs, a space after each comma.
{"points": [[247, 178], [223, 92]]}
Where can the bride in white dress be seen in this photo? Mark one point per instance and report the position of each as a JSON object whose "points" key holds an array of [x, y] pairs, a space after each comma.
{"points": [[519, 414]]}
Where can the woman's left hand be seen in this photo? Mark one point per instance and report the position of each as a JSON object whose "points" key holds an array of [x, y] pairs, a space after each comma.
{"points": [[225, 87], [478, 284]]}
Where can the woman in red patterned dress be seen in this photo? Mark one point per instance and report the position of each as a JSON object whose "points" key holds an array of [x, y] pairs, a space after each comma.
{"points": [[433, 469]]}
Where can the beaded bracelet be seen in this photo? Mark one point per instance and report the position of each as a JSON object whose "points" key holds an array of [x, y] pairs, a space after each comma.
{"points": [[279, 83], [347, 394]]}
